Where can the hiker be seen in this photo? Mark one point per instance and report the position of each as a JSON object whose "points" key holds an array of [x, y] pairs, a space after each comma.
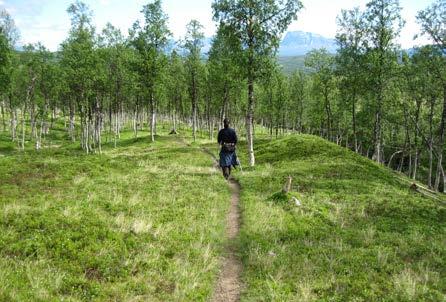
{"points": [[227, 138]]}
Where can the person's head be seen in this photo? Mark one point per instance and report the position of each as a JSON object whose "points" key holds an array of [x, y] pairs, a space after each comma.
{"points": [[226, 123]]}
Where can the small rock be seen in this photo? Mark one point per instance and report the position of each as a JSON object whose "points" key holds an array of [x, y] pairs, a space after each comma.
{"points": [[296, 201], [272, 254]]}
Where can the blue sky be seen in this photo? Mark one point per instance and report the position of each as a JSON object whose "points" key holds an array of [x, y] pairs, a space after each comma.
{"points": [[48, 22]]}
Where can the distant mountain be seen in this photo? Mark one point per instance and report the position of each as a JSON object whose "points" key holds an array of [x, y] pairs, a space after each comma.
{"points": [[295, 43], [298, 43]]}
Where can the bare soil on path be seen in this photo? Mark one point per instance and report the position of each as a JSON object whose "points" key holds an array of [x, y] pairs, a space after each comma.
{"points": [[228, 285]]}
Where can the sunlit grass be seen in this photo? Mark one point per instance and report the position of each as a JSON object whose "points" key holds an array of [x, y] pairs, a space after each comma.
{"points": [[145, 222], [142, 222], [359, 235]]}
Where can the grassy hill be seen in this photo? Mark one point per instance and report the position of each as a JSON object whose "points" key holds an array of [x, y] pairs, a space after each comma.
{"points": [[145, 222], [359, 235]]}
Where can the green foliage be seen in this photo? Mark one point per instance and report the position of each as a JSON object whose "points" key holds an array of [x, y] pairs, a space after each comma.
{"points": [[193, 44], [432, 21], [324, 83], [149, 40], [8, 28], [5, 64], [292, 64], [257, 27]]}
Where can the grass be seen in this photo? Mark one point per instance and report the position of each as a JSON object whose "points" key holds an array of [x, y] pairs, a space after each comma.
{"points": [[359, 235], [143, 222]]}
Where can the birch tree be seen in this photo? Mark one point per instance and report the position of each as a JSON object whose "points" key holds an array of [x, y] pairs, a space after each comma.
{"points": [[433, 24], [193, 44], [383, 23], [257, 26], [149, 39]]}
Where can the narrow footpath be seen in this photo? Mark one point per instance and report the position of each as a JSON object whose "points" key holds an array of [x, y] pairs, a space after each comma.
{"points": [[228, 285]]}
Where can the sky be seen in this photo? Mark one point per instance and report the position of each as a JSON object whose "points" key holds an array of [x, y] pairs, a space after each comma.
{"points": [[47, 21]]}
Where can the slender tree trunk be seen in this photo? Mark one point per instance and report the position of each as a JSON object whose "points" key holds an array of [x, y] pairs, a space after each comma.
{"points": [[377, 156], [174, 119], [431, 143], [249, 122], [41, 130], [328, 112], [22, 142], [110, 122], [194, 107], [224, 110], [250, 108], [135, 119], [13, 124], [33, 119], [417, 151], [301, 113], [208, 117], [29, 95], [407, 142], [153, 117], [90, 134], [99, 131], [53, 117], [2, 105], [441, 144], [355, 135], [71, 130]]}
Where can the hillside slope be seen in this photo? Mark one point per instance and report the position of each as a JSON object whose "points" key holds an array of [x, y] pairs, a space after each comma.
{"points": [[359, 235], [142, 222], [145, 222]]}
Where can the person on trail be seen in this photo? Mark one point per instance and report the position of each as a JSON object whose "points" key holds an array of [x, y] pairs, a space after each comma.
{"points": [[227, 139]]}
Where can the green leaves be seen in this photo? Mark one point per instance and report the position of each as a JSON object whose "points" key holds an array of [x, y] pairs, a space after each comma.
{"points": [[433, 23], [256, 26], [149, 40]]}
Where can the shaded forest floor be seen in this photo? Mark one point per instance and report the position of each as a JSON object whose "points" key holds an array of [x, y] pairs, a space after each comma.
{"points": [[146, 222]]}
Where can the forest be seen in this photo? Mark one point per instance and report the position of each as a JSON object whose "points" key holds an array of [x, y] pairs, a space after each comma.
{"points": [[372, 97], [111, 188]]}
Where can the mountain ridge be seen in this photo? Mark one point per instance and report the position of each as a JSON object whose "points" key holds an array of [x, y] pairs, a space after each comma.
{"points": [[294, 43]]}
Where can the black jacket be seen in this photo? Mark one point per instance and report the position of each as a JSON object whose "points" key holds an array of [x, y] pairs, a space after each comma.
{"points": [[227, 135]]}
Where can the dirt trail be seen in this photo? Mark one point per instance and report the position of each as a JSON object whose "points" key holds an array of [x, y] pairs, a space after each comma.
{"points": [[228, 286]]}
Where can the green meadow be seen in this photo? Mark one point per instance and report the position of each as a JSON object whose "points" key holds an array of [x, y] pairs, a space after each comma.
{"points": [[146, 222], [360, 233], [142, 222]]}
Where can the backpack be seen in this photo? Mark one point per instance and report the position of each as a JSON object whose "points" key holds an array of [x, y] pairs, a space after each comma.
{"points": [[228, 147]]}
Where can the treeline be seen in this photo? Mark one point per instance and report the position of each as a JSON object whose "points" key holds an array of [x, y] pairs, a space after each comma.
{"points": [[371, 96]]}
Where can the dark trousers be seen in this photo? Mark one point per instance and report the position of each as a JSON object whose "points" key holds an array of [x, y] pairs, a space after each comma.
{"points": [[226, 172]]}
